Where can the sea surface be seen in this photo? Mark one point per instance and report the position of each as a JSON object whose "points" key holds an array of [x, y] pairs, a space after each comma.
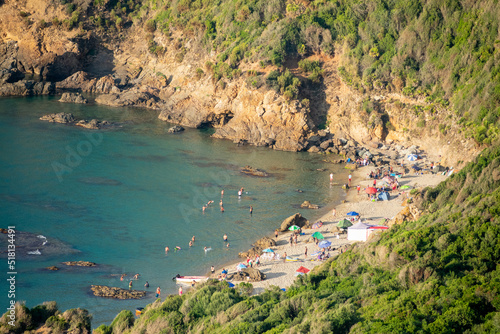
{"points": [[118, 197]]}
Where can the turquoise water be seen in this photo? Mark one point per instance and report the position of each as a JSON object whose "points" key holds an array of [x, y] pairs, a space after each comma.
{"points": [[120, 196]]}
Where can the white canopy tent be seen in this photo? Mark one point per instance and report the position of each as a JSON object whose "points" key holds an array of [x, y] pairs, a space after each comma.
{"points": [[358, 232]]}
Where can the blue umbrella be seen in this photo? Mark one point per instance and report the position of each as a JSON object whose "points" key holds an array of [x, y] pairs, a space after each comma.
{"points": [[231, 285], [241, 266], [353, 213], [324, 244], [412, 157], [268, 250]]}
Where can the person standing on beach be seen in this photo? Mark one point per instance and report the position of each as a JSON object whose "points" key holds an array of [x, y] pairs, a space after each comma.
{"points": [[334, 212], [180, 291], [251, 210], [212, 269], [331, 177], [350, 177], [305, 252], [359, 188], [158, 292]]}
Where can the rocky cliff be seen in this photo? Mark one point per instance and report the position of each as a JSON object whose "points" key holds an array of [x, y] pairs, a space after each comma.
{"points": [[121, 68]]}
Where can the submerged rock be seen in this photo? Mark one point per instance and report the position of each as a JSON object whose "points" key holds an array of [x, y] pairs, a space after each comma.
{"points": [[53, 268], [248, 170], [118, 293], [80, 263], [29, 244]]}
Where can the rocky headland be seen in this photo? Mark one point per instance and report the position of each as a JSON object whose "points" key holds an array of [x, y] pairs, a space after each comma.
{"points": [[328, 118]]}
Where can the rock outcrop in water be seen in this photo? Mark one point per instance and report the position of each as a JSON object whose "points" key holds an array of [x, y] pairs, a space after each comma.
{"points": [[68, 118], [63, 118], [117, 293], [73, 98]]}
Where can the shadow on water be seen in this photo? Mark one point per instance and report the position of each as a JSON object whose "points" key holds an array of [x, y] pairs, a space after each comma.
{"points": [[100, 181], [35, 201]]}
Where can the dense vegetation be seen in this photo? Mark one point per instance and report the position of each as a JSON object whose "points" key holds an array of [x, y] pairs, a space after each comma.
{"points": [[76, 321], [439, 274], [443, 51]]}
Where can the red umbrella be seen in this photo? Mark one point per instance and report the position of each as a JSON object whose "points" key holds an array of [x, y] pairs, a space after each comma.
{"points": [[303, 270], [371, 190]]}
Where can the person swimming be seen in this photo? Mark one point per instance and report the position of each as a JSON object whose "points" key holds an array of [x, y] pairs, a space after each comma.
{"points": [[177, 248]]}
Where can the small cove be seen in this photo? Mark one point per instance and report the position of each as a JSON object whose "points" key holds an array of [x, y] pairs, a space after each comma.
{"points": [[135, 190]]}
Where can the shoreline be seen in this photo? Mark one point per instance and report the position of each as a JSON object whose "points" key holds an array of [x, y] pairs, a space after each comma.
{"points": [[283, 274]]}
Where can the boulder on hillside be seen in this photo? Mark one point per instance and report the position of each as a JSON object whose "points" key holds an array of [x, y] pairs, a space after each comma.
{"points": [[296, 219]]}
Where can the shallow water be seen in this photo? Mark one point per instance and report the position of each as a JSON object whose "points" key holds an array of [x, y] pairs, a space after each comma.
{"points": [[120, 196]]}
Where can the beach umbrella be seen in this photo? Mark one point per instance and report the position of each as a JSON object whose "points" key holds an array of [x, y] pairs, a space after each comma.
{"points": [[268, 250], [369, 190], [303, 270], [231, 285], [318, 235], [412, 157], [317, 225], [241, 266], [324, 244], [405, 187], [294, 228], [354, 213], [344, 223]]}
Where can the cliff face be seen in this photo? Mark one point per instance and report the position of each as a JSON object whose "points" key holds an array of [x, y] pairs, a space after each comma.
{"points": [[125, 72]]}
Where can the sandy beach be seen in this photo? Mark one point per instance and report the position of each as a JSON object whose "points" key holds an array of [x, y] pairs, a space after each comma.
{"points": [[283, 274]]}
